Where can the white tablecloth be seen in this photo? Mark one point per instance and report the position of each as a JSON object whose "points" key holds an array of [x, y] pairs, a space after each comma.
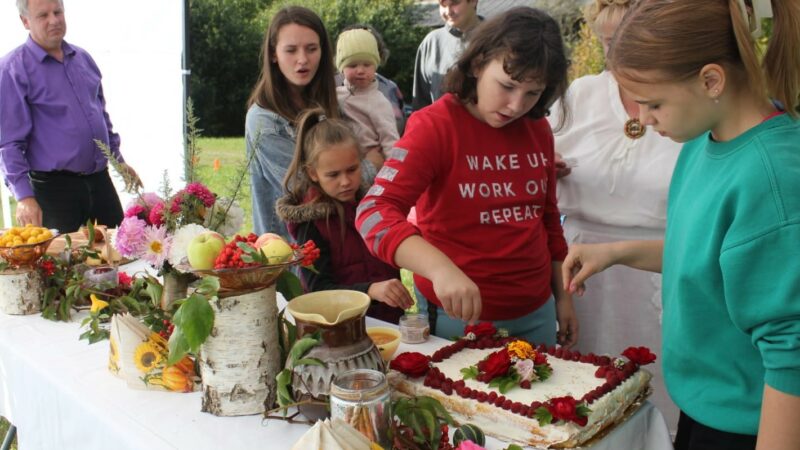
{"points": [[58, 392]]}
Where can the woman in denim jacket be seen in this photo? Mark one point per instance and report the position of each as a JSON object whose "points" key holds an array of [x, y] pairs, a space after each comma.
{"points": [[297, 72]]}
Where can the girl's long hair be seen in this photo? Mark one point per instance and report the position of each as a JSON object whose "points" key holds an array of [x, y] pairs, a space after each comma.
{"points": [[271, 89], [678, 37], [315, 133], [529, 42]]}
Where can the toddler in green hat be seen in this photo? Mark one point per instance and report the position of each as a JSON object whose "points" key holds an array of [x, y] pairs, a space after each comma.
{"points": [[357, 58]]}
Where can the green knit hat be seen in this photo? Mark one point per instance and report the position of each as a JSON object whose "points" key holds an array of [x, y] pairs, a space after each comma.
{"points": [[356, 45]]}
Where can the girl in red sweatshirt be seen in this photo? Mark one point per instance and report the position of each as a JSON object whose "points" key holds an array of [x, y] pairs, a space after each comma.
{"points": [[479, 166]]}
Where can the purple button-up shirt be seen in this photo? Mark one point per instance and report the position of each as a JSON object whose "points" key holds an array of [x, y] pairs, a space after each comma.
{"points": [[50, 114]]}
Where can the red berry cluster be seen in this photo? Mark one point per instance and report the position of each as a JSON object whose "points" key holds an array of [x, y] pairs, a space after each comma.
{"points": [[231, 255], [48, 267], [168, 328], [310, 252], [444, 442]]}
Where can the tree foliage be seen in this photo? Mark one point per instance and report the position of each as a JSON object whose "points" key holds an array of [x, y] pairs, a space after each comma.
{"points": [[225, 42], [226, 38], [396, 20]]}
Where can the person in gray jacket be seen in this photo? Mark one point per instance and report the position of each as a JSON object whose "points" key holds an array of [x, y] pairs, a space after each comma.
{"points": [[297, 72], [440, 49]]}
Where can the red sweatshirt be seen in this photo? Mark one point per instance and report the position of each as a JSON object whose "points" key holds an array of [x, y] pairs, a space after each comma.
{"points": [[485, 197]]}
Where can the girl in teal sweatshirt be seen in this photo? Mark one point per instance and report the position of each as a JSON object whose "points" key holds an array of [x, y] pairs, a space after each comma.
{"points": [[731, 284]]}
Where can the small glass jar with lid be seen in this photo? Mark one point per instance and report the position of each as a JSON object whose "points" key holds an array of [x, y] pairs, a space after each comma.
{"points": [[414, 328]]}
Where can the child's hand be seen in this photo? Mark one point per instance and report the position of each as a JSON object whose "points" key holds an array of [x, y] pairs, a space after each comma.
{"points": [[375, 157], [563, 167], [460, 296], [392, 292], [567, 335]]}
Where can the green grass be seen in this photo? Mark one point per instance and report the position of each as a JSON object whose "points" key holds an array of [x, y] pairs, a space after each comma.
{"points": [[13, 204], [3, 430], [230, 152]]}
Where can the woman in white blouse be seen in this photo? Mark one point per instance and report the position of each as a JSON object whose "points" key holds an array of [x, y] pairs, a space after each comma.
{"points": [[616, 190]]}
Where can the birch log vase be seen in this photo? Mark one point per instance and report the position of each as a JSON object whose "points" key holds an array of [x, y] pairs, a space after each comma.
{"points": [[241, 357], [21, 291]]}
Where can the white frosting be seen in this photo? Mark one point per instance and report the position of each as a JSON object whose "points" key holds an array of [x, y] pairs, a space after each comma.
{"points": [[569, 378]]}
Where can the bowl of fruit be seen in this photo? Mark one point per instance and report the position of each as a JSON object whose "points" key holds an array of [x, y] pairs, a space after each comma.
{"points": [[23, 246], [244, 263]]}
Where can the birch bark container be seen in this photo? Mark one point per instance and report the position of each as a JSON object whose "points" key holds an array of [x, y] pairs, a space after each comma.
{"points": [[21, 291], [241, 358]]}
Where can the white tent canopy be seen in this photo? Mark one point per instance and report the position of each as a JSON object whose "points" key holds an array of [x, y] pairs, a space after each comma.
{"points": [[138, 47]]}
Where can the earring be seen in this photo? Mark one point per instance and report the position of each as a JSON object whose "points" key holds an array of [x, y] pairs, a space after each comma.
{"points": [[716, 96]]}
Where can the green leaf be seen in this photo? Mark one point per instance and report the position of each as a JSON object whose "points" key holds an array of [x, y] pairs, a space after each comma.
{"points": [[469, 373], [309, 362], [289, 285], [543, 371], [196, 319], [430, 421], [513, 447], [208, 286], [496, 382], [507, 385], [543, 416], [582, 410], [436, 408], [414, 421], [154, 290], [303, 346], [284, 381], [178, 346]]}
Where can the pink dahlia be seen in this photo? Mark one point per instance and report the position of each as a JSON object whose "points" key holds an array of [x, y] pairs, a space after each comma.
{"points": [[130, 237]]}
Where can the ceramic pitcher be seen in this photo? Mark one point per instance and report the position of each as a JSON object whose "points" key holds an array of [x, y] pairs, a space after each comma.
{"points": [[339, 317]]}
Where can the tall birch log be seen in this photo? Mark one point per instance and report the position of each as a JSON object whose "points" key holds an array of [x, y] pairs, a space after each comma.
{"points": [[240, 359], [21, 291]]}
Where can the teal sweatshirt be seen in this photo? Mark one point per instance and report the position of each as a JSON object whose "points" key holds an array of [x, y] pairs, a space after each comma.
{"points": [[731, 275]]}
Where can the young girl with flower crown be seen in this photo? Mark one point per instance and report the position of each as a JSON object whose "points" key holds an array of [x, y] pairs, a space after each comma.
{"points": [[323, 186], [731, 323], [479, 166]]}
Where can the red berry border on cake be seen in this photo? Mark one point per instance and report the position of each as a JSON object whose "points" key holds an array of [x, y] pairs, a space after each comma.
{"points": [[614, 370]]}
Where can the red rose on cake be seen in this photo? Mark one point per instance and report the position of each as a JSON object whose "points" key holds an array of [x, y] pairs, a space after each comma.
{"points": [[483, 329], [412, 364], [639, 355], [566, 409], [495, 365]]}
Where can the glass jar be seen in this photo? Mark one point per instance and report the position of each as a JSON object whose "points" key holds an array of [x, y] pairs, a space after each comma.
{"points": [[361, 398], [414, 328]]}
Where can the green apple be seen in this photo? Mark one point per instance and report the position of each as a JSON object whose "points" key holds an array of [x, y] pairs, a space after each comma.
{"points": [[204, 249], [276, 250]]}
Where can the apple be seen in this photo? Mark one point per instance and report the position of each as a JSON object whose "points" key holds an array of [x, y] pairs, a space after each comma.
{"points": [[204, 249], [264, 238], [276, 250]]}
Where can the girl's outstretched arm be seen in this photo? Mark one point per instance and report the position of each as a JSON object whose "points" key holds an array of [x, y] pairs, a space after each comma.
{"points": [[780, 414], [585, 260], [459, 295]]}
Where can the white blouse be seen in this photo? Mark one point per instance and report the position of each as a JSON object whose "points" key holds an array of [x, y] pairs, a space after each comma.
{"points": [[617, 181]]}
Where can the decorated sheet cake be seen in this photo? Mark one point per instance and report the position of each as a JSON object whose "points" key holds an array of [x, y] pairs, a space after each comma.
{"points": [[522, 393]]}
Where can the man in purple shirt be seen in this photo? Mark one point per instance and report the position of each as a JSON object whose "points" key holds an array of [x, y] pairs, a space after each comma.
{"points": [[52, 110]]}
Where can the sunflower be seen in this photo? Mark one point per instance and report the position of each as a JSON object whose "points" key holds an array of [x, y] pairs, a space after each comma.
{"points": [[147, 357], [113, 356]]}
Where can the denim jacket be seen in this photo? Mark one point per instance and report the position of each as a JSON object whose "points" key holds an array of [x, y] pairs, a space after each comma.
{"points": [[272, 138]]}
